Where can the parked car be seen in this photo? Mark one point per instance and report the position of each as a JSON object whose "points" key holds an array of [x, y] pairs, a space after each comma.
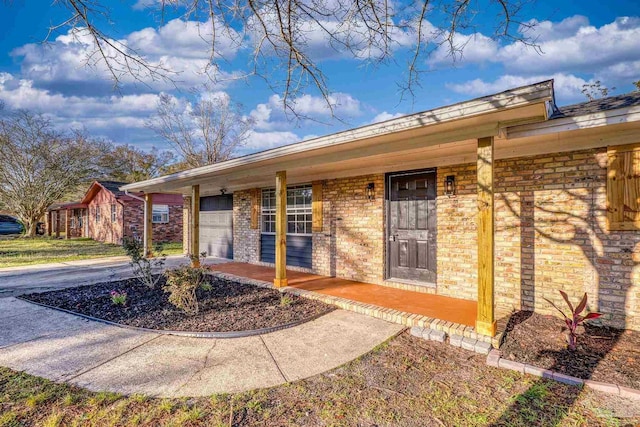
{"points": [[10, 225]]}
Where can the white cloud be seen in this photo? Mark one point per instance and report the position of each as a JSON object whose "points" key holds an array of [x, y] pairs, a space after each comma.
{"points": [[258, 141], [94, 113], [272, 116], [472, 48], [384, 116], [567, 86], [182, 47], [569, 46], [575, 45]]}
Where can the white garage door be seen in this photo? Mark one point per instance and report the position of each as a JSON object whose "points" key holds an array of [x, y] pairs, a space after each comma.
{"points": [[216, 226]]}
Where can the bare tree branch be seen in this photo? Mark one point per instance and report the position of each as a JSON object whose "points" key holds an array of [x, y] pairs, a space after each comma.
{"points": [[286, 35], [210, 131]]}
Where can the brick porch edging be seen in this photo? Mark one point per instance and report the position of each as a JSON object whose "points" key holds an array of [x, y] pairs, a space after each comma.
{"points": [[495, 359], [388, 314]]}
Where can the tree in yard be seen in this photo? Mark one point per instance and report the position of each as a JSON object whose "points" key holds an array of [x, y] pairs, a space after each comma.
{"points": [[127, 163], [207, 132], [285, 36], [38, 165]]}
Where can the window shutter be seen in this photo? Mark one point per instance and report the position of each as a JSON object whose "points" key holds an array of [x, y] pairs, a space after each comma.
{"points": [[255, 208], [316, 207], [623, 187]]}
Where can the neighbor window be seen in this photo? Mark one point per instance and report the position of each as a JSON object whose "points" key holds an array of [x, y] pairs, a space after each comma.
{"points": [[97, 213], [113, 213], [298, 210], [160, 214], [72, 222]]}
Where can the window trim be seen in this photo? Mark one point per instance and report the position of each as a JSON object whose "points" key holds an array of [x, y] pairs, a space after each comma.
{"points": [[114, 212], [97, 213], [291, 210], [158, 208]]}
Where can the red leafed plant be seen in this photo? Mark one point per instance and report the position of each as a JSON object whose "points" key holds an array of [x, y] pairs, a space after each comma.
{"points": [[575, 318]]}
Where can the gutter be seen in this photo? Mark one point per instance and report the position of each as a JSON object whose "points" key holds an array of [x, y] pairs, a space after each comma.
{"points": [[146, 215]]}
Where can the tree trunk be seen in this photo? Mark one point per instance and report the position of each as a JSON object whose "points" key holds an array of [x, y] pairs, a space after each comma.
{"points": [[30, 227]]}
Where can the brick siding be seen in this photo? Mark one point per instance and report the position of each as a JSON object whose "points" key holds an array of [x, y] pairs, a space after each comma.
{"points": [[551, 234], [162, 232], [246, 240]]}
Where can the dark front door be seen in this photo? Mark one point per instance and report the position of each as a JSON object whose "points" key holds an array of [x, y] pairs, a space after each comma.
{"points": [[412, 226]]}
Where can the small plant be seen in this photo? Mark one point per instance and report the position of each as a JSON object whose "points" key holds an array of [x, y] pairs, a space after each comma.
{"points": [[182, 285], [285, 300], [118, 298], [575, 317], [144, 267]]}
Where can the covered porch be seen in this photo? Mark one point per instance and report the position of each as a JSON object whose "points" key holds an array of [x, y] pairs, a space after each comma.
{"points": [[352, 242], [398, 305]]}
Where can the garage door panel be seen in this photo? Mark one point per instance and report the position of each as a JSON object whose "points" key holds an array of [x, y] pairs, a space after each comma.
{"points": [[216, 226]]}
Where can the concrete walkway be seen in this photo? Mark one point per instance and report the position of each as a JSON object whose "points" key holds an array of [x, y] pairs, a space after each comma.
{"points": [[16, 281], [66, 348]]}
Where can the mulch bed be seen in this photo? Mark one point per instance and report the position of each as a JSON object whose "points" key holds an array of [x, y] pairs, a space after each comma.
{"points": [[228, 306], [603, 354]]}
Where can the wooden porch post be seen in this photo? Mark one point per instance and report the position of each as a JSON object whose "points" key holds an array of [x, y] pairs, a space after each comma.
{"points": [[148, 225], [57, 224], [281, 230], [195, 226], [67, 224], [49, 222], [485, 322]]}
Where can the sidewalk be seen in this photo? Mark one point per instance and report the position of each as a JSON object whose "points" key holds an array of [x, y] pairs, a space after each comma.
{"points": [[66, 348]]}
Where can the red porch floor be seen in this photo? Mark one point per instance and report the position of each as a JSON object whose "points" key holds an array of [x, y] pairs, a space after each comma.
{"points": [[436, 306]]}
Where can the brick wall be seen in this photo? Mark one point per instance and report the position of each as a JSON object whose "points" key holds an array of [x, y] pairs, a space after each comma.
{"points": [[162, 232], [351, 244], [246, 241], [550, 235]]}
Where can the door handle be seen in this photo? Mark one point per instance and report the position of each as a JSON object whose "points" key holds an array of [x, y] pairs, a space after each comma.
{"points": [[393, 237]]}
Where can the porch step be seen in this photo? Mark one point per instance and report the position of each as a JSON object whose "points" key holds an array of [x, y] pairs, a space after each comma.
{"points": [[390, 315]]}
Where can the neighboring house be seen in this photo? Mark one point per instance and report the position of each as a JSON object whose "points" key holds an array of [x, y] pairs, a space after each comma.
{"points": [[107, 214], [503, 199]]}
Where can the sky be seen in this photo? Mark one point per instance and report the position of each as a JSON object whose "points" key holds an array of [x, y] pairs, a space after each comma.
{"points": [[579, 42]]}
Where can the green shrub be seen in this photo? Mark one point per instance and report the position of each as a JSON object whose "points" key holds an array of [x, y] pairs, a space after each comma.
{"points": [[144, 267]]}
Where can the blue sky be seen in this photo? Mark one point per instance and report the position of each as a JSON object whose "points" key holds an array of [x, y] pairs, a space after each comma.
{"points": [[581, 41]]}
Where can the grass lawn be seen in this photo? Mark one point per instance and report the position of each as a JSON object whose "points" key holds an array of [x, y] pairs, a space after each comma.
{"points": [[405, 382], [17, 251]]}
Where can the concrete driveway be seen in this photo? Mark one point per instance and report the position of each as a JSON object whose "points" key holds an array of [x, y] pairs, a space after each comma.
{"points": [[16, 281], [67, 348]]}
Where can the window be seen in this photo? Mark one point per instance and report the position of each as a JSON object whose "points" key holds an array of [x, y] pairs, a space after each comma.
{"points": [[114, 212], [72, 222], [298, 210], [97, 213], [623, 187], [160, 214]]}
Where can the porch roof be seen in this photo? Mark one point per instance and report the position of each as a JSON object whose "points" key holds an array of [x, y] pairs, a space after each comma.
{"points": [[65, 206], [398, 144]]}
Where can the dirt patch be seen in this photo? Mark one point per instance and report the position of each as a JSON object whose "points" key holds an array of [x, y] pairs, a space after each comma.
{"points": [[227, 306], [603, 354]]}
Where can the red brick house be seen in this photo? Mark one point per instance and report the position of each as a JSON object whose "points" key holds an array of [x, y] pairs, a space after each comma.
{"points": [[500, 200], [107, 214]]}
